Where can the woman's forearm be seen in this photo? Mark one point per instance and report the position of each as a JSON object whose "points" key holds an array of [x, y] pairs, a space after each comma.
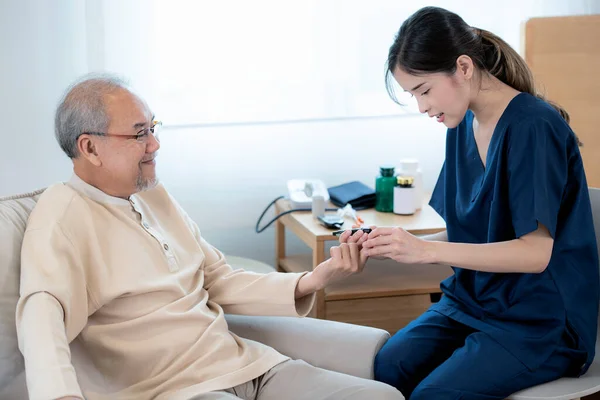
{"points": [[529, 254], [436, 237]]}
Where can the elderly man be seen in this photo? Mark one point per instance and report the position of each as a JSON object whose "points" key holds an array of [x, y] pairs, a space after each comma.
{"points": [[110, 258]]}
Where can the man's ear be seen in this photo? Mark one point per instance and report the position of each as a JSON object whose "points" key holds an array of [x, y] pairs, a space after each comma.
{"points": [[87, 148], [465, 67]]}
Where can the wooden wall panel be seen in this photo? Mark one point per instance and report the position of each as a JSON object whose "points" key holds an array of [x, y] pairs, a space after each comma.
{"points": [[564, 55]]}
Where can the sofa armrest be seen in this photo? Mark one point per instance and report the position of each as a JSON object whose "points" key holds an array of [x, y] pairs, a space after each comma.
{"points": [[16, 388], [331, 345]]}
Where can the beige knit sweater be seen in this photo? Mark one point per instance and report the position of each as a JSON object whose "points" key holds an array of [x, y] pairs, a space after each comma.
{"points": [[136, 285]]}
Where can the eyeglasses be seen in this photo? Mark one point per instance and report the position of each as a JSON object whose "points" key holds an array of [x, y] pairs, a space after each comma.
{"points": [[140, 137]]}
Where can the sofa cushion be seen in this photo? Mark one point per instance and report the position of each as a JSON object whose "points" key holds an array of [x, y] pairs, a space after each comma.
{"points": [[14, 212]]}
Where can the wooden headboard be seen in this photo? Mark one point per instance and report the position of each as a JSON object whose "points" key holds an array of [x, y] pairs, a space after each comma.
{"points": [[564, 55]]}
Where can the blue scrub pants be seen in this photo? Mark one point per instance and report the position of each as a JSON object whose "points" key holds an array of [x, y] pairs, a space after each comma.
{"points": [[435, 357]]}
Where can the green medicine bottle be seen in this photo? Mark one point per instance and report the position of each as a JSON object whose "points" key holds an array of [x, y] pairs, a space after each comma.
{"points": [[384, 189]]}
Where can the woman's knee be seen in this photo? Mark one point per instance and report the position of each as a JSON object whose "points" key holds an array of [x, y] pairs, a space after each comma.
{"points": [[388, 361], [395, 349]]}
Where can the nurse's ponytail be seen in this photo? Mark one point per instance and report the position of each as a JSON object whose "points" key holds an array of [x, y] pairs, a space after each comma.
{"points": [[432, 39], [503, 62]]}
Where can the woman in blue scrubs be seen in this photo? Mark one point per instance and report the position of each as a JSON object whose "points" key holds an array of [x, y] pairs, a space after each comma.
{"points": [[521, 307]]}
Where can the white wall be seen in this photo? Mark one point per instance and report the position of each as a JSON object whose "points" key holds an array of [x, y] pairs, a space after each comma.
{"points": [[43, 49], [223, 176]]}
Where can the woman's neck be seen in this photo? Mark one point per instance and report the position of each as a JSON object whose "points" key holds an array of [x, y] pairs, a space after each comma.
{"points": [[490, 100]]}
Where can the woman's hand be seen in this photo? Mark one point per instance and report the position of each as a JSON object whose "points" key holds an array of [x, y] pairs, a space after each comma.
{"points": [[399, 245]]}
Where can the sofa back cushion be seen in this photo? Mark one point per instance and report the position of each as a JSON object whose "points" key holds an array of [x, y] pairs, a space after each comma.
{"points": [[14, 212]]}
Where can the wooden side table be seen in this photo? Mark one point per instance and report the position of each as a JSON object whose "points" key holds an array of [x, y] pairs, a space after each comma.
{"points": [[386, 294]]}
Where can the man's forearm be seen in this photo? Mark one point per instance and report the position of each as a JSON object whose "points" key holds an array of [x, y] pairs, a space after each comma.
{"points": [[306, 285]]}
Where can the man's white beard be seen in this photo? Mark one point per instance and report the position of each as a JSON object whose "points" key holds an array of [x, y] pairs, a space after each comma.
{"points": [[143, 184]]}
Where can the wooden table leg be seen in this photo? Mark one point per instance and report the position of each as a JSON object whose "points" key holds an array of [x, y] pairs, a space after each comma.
{"points": [[279, 244], [318, 258]]}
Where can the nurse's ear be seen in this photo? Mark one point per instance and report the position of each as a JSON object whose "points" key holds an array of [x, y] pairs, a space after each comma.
{"points": [[465, 69]]}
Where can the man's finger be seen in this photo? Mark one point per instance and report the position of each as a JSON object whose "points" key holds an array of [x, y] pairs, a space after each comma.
{"points": [[356, 236], [335, 252], [354, 253], [344, 236], [345, 250], [362, 239], [363, 257]]}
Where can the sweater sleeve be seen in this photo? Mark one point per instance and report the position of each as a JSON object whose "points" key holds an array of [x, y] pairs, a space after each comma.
{"points": [[52, 310], [247, 293]]}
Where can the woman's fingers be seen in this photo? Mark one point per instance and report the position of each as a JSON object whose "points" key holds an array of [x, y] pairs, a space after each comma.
{"points": [[380, 231], [378, 241]]}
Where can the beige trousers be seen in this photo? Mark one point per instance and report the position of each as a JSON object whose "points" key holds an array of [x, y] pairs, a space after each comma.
{"points": [[297, 380]]}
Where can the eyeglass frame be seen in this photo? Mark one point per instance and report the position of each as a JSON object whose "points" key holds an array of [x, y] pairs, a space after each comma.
{"points": [[139, 137]]}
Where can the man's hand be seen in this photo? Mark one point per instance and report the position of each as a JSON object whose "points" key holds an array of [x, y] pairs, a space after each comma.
{"points": [[346, 259]]}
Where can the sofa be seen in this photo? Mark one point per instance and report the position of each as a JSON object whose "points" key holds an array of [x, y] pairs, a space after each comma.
{"points": [[331, 345]]}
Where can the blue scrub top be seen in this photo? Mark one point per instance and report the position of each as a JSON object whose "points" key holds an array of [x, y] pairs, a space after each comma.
{"points": [[533, 174]]}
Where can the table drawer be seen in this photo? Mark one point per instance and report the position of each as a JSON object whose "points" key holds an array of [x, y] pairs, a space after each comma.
{"points": [[388, 313]]}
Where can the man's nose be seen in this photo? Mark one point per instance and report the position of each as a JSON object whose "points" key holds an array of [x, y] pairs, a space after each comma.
{"points": [[153, 144]]}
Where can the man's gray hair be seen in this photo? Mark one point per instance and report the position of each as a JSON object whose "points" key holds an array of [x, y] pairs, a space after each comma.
{"points": [[82, 109]]}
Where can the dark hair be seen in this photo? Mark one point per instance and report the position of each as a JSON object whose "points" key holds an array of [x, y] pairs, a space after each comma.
{"points": [[432, 39]]}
